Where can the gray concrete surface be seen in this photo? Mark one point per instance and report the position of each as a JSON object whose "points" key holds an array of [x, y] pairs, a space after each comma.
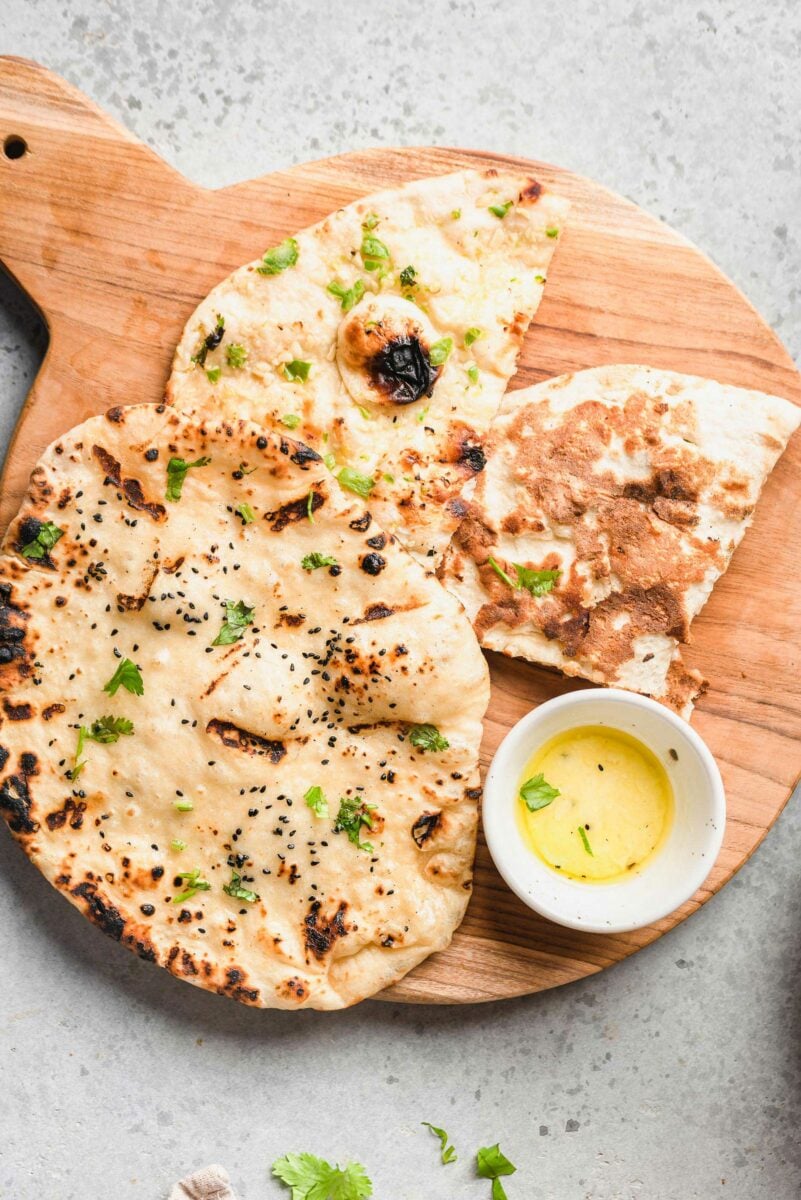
{"points": [[674, 1076]]}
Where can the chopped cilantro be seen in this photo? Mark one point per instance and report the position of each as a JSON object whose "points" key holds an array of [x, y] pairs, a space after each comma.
{"points": [[310, 506], [291, 420], [352, 481], [236, 355], [128, 676], [314, 560], [456, 214], [501, 573], [586, 841], [210, 342], [348, 297], [296, 371], [539, 279], [213, 374], [177, 845], [183, 805], [490, 1164], [388, 478], [46, 538], [539, 583], [279, 258], [246, 513], [423, 413], [312, 1178], [235, 889], [427, 737], [368, 416], [500, 210], [408, 277], [353, 813], [370, 221], [176, 474], [472, 335], [237, 618], [472, 372], [440, 351], [105, 730], [245, 470], [537, 793], [375, 254], [552, 231], [447, 1152], [194, 884], [315, 799]]}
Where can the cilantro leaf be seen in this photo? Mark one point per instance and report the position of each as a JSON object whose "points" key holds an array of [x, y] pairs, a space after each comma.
{"points": [[491, 1162], [498, 1190], [279, 258], [310, 562], [176, 474], [296, 370], [353, 813], [440, 351], [370, 221], [105, 730], [246, 513], [235, 889], [291, 420], [210, 342], [537, 793], [348, 297], [352, 481], [447, 1152], [501, 573], [427, 737], [472, 335], [310, 506], [236, 355], [472, 372], [194, 884], [500, 210], [315, 799], [539, 583], [408, 277], [213, 374], [312, 1178], [585, 840], [375, 254], [128, 676], [552, 231], [237, 618], [46, 537]]}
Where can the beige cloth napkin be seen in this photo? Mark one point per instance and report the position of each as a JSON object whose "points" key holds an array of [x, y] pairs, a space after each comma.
{"points": [[212, 1183]]}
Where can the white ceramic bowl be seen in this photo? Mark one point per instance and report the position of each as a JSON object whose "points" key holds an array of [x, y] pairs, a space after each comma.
{"points": [[676, 871]]}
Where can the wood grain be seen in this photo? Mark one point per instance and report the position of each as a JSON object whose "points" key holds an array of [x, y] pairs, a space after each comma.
{"points": [[116, 249]]}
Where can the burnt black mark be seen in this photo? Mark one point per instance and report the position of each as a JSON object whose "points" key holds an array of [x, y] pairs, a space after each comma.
{"points": [[17, 712], [115, 415], [27, 532], [402, 370], [15, 802], [72, 811], [301, 455], [473, 793], [3, 757], [241, 739], [472, 457], [373, 564], [152, 454], [321, 933], [376, 612], [530, 193], [12, 635], [378, 542], [235, 988], [29, 763], [361, 524], [458, 508], [104, 915], [425, 825], [130, 488], [294, 510]]}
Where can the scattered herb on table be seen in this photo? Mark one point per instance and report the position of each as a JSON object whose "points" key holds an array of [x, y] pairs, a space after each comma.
{"points": [[447, 1152], [312, 1178], [491, 1163]]}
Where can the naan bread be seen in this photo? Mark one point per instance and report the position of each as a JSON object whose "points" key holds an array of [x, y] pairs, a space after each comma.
{"points": [[636, 485], [383, 374], [323, 688]]}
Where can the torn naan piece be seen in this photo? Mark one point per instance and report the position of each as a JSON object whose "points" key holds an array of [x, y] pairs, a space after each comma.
{"points": [[239, 725], [611, 502], [384, 338]]}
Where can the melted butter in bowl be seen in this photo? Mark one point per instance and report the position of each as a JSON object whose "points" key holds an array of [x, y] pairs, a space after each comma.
{"points": [[595, 803]]}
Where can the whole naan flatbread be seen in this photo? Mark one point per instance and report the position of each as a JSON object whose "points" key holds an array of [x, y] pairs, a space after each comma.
{"points": [[635, 486], [384, 337], [266, 674]]}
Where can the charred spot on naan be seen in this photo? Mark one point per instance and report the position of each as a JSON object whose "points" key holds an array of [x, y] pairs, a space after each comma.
{"points": [[384, 352], [295, 510], [129, 488], [233, 736], [321, 932], [14, 618], [16, 801], [425, 827]]}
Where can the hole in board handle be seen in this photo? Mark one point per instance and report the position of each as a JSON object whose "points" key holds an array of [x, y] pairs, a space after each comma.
{"points": [[15, 146]]}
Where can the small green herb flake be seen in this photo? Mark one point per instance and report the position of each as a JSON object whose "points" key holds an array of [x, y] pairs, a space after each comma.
{"points": [[585, 840], [237, 618], [311, 562], [290, 420], [329, 460], [353, 814], [447, 1152], [177, 845], [310, 506], [456, 214], [352, 481], [183, 805], [237, 892], [312, 1178], [472, 373], [194, 884], [279, 258], [176, 474], [106, 731], [128, 676], [537, 793], [366, 414], [244, 469], [213, 374], [296, 370], [501, 573], [472, 335], [246, 513], [348, 297], [316, 801], [440, 351], [552, 231], [538, 583], [491, 1162], [375, 254], [500, 210], [370, 221], [539, 279], [427, 737], [210, 342], [408, 277], [46, 538], [236, 355], [423, 413]]}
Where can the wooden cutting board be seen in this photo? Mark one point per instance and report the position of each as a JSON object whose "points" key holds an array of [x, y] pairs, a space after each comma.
{"points": [[116, 249]]}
